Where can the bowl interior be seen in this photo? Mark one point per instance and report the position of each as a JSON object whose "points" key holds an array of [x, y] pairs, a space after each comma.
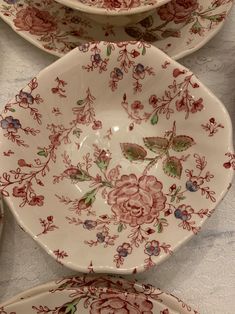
{"points": [[113, 154]]}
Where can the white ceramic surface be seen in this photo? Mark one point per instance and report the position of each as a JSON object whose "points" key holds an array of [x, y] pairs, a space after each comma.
{"points": [[121, 199], [201, 260], [99, 294], [117, 12], [57, 29]]}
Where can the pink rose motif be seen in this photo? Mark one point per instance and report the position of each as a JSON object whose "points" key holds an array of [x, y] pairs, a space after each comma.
{"points": [[136, 201], [35, 21], [19, 191], [181, 104], [111, 4], [137, 105], [178, 11], [197, 105], [37, 200], [55, 139], [120, 303], [97, 125], [153, 100]]}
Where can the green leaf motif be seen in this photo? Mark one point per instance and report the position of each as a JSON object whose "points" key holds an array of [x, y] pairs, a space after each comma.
{"points": [[80, 102], [102, 165], [143, 51], [147, 22], [154, 119], [156, 144], [170, 33], [181, 143], [89, 197], [68, 308], [76, 174], [172, 167], [133, 152], [159, 228], [109, 50], [12, 109], [120, 227], [215, 18], [43, 153]]}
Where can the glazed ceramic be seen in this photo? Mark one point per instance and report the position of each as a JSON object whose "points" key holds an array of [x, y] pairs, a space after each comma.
{"points": [[57, 29], [94, 295], [118, 12], [126, 175]]}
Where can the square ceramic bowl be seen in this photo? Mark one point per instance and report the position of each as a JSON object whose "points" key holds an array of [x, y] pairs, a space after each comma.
{"points": [[115, 12], [117, 151]]}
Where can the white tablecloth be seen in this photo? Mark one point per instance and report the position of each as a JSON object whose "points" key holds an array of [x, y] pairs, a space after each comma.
{"points": [[202, 273]]}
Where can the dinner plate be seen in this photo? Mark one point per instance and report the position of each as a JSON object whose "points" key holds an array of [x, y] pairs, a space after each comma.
{"points": [[95, 295], [113, 154], [177, 30]]}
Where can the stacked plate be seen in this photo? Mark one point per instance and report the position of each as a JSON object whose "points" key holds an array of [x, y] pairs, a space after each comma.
{"points": [[95, 295], [177, 29]]}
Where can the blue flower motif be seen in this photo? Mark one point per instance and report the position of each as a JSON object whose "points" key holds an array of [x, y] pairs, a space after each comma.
{"points": [[139, 68], [152, 248], [123, 252], [24, 99], [11, 124], [182, 214], [100, 237], [89, 224], [178, 213], [118, 73], [97, 57], [192, 186]]}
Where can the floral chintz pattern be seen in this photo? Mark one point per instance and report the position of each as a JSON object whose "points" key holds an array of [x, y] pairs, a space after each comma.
{"points": [[105, 294], [27, 100], [118, 5], [125, 60], [57, 29], [176, 98], [124, 171], [177, 14], [23, 180]]}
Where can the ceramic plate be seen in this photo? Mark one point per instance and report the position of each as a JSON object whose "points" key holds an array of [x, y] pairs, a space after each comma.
{"points": [[177, 30], [96, 294], [114, 8], [126, 175]]}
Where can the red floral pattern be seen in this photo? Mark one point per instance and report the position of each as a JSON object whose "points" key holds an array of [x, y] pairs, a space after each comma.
{"points": [[35, 21], [136, 207], [103, 294], [58, 30], [116, 302], [179, 11], [118, 5], [137, 200]]}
